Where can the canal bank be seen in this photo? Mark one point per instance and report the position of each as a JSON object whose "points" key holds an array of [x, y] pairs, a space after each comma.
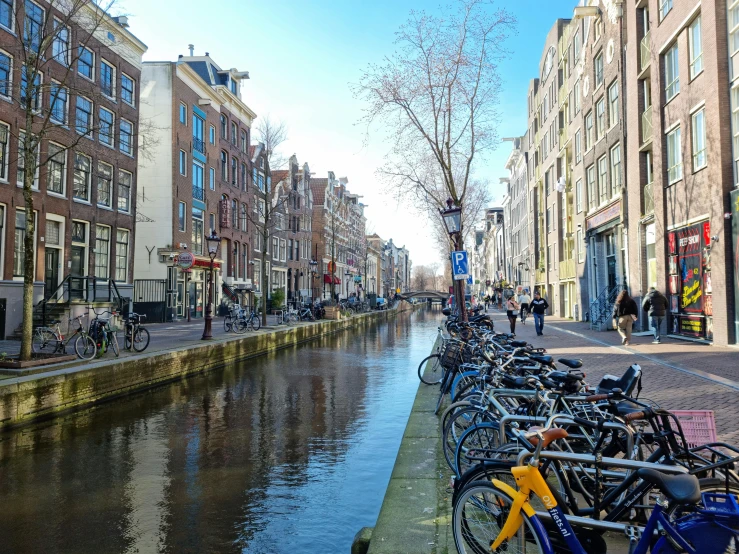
{"points": [[43, 395], [416, 512]]}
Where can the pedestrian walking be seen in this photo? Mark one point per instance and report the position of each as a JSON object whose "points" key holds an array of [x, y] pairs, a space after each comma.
{"points": [[625, 313], [511, 312], [655, 304], [539, 307], [524, 300]]}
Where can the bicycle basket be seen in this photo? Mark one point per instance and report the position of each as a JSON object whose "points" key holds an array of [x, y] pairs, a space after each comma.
{"points": [[699, 426], [724, 504], [451, 354]]}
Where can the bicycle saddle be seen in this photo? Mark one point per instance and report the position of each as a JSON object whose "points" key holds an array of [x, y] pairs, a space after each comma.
{"points": [[514, 382], [549, 436], [625, 408], [547, 359], [683, 489], [573, 363], [564, 377], [518, 343]]}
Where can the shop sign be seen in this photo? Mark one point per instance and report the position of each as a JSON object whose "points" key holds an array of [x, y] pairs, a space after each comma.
{"points": [[185, 260], [225, 213], [611, 212], [692, 326], [689, 243], [206, 264]]}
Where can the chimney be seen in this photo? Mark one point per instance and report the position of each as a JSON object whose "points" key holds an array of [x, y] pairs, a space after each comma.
{"points": [[207, 54], [191, 47], [122, 20]]}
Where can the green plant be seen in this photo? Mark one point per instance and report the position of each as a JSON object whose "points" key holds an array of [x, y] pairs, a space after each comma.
{"points": [[278, 299]]}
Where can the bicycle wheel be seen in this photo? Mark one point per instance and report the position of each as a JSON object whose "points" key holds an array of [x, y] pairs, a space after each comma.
{"points": [[44, 341], [227, 323], [140, 339], [430, 370], [239, 326], [479, 442], [457, 424], [255, 324], [85, 347], [478, 516], [113, 343]]}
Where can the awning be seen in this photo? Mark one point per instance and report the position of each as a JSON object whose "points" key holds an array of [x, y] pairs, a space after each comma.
{"points": [[327, 279]]}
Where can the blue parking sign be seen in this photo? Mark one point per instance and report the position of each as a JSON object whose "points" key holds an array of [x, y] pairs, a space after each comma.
{"points": [[469, 279], [460, 265]]}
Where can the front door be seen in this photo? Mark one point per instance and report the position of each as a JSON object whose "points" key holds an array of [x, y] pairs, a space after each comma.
{"points": [[77, 269], [51, 274]]}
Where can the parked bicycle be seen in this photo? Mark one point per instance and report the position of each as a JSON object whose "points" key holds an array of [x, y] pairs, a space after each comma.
{"points": [[136, 335], [103, 333], [50, 340]]}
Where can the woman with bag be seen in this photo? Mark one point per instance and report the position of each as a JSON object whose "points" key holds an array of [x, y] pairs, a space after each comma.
{"points": [[625, 313]]}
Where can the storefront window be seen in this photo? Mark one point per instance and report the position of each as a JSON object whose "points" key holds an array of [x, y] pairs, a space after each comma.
{"points": [[651, 256]]}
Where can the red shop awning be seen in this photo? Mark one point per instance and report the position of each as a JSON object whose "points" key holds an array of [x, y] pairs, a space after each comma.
{"points": [[327, 279]]}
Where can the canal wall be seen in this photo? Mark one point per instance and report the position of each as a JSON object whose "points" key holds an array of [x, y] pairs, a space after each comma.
{"points": [[415, 517], [44, 395]]}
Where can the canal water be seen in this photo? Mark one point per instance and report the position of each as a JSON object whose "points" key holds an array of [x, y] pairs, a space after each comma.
{"points": [[290, 452]]}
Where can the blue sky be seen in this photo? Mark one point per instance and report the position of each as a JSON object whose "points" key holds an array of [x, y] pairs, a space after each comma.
{"points": [[302, 55]]}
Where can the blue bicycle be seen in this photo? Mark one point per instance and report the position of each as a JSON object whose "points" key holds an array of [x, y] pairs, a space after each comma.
{"points": [[493, 517]]}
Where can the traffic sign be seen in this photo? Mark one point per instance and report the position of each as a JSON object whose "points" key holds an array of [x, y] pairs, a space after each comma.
{"points": [[460, 265], [469, 279], [185, 260]]}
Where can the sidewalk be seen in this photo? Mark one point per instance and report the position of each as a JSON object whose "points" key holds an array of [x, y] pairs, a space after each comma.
{"points": [[679, 375]]}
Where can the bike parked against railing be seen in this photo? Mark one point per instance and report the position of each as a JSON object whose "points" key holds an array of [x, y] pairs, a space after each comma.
{"points": [[50, 340], [136, 335], [103, 333]]}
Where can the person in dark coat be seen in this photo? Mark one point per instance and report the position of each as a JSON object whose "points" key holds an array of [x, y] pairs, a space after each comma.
{"points": [[625, 313], [655, 304], [539, 307]]}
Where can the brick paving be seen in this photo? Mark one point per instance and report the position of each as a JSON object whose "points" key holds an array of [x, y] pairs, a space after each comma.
{"points": [[678, 375]]}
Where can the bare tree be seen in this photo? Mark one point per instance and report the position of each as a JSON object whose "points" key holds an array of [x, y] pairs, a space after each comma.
{"points": [[47, 59], [272, 134], [437, 96], [422, 278]]}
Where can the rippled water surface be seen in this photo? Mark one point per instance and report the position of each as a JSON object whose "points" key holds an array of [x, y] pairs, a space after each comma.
{"points": [[290, 452]]}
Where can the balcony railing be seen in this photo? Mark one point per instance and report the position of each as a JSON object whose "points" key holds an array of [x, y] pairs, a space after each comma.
{"points": [[648, 199], [646, 125], [541, 276], [198, 145], [567, 269], [646, 52], [198, 193]]}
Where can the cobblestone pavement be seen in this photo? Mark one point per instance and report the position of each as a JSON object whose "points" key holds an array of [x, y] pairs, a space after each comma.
{"points": [[679, 375]]}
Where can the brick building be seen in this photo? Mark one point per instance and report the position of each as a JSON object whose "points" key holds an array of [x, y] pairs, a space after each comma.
{"points": [[199, 179], [85, 191], [681, 170]]}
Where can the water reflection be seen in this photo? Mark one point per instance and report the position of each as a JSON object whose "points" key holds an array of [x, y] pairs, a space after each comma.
{"points": [[290, 452]]}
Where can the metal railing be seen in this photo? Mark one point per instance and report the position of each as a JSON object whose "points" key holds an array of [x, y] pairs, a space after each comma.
{"points": [[567, 269], [646, 51], [198, 145], [83, 289], [646, 125], [648, 199], [198, 193], [601, 309]]}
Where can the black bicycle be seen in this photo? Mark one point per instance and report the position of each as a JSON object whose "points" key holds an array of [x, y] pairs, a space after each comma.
{"points": [[136, 335]]}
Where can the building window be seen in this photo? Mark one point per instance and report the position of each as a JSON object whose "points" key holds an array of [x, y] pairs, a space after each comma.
{"points": [[105, 184], [224, 166], [212, 176], [183, 162], [549, 220], [234, 133], [125, 179], [86, 63], [733, 27], [212, 134], [128, 90], [121, 255], [81, 185], [102, 251], [243, 141], [107, 79], [19, 250], [6, 74], [30, 98], [57, 165], [674, 157], [212, 222], [578, 195], [600, 118], [613, 105], [243, 176], [589, 130], [126, 143], [592, 195], [598, 66], [198, 176], [244, 218], [696, 48], [234, 215], [699, 139], [234, 172], [197, 231], [615, 170], [60, 43], [577, 97], [4, 136], [6, 14], [83, 118], [672, 73], [58, 99], [33, 26], [578, 146], [580, 246], [181, 213], [183, 113], [664, 8], [224, 127], [603, 179], [198, 134], [107, 127]]}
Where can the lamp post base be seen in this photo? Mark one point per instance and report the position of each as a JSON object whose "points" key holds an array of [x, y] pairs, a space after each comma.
{"points": [[208, 330]]}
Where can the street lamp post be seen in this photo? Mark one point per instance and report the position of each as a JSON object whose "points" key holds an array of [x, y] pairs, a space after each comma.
{"points": [[313, 265], [213, 242], [452, 217], [347, 274]]}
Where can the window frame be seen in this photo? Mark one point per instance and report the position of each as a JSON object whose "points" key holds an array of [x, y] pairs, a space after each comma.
{"points": [[132, 103], [663, 8], [113, 82], [672, 134], [695, 63], [55, 41], [616, 169], [111, 135], [88, 132], [101, 177], [598, 77], [600, 118], [672, 62], [10, 4], [122, 187], [183, 114], [54, 96], [99, 253], [697, 165], [183, 163], [130, 142], [182, 217], [118, 249], [80, 59], [8, 82], [88, 174], [613, 111]]}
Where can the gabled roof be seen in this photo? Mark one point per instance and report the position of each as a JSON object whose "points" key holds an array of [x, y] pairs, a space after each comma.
{"points": [[279, 175], [252, 149], [318, 188]]}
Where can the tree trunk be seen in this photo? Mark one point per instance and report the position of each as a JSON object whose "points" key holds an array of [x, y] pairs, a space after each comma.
{"points": [[28, 254], [265, 280]]}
